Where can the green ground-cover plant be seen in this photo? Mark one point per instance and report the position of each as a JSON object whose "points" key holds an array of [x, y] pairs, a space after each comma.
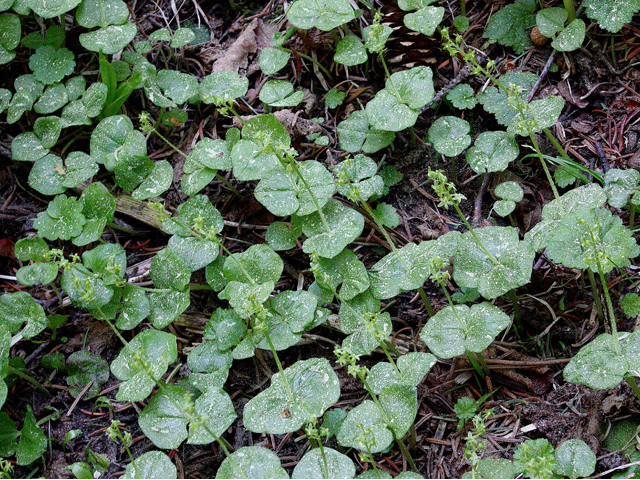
{"points": [[322, 209]]}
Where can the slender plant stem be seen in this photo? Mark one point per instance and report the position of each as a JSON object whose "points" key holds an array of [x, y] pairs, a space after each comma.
{"points": [[280, 369], [386, 352], [324, 458], [632, 216], [122, 229], [295, 165], [412, 436], [19, 373], [633, 385], [427, 303], [405, 452], [126, 447], [517, 317], [475, 236], [463, 8], [571, 10], [227, 183], [545, 168], [399, 441], [594, 291], [556, 144], [483, 363], [57, 291], [612, 313]]}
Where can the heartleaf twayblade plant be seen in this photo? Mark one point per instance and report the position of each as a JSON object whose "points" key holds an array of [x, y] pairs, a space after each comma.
{"points": [[491, 261]]}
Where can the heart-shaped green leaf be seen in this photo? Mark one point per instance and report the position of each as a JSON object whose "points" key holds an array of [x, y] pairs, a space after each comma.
{"points": [[134, 307], [246, 299], [166, 307], [570, 38], [182, 37], [312, 465], [164, 421], [258, 264], [611, 19], [322, 14], [598, 365], [110, 39], [365, 423], [425, 20], [462, 96], [10, 30], [151, 465], [223, 86], [48, 130], [209, 367], [449, 135], [158, 181], [37, 273], [280, 237], [252, 463], [350, 51], [587, 196], [459, 329], [537, 115], [367, 335], [27, 90], [356, 134], [314, 387], [413, 367], [101, 13], [575, 459], [272, 60], [27, 147], [225, 329], [178, 86], [110, 134], [571, 242], [510, 267], [414, 87], [84, 367], [169, 271], [146, 358], [492, 468], [509, 191], [492, 152], [279, 93], [33, 441], [345, 225], [62, 219], [286, 193], [551, 20], [51, 8], [496, 100], [504, 207], [54, 97], [386, 112], [344, 269], [19, 308], [619, 185], [78, 281]]}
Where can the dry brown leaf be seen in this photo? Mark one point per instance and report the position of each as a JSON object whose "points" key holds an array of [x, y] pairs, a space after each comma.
{"points": [[237, 55]]}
